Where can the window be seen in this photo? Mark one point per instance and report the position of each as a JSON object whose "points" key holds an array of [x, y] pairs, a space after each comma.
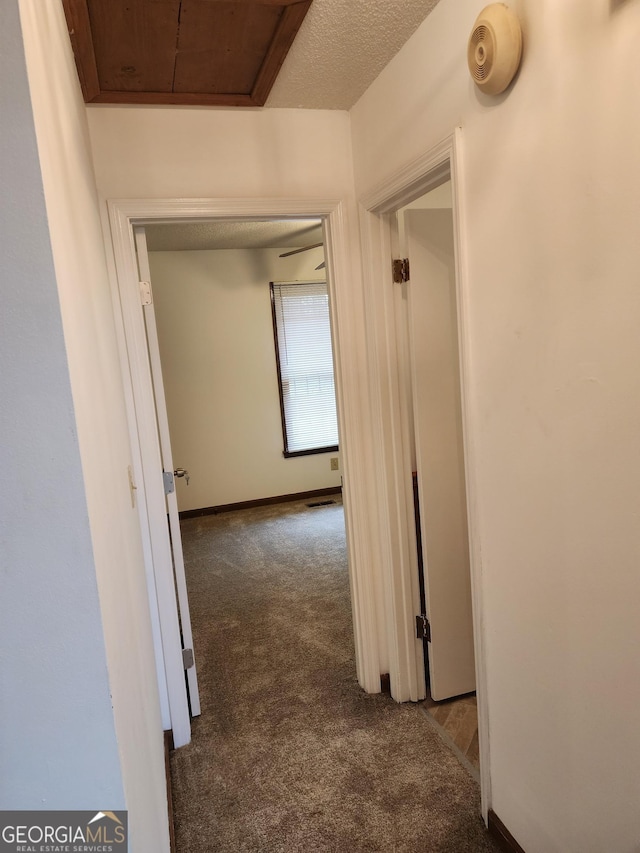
{"points": [[305, 367]]}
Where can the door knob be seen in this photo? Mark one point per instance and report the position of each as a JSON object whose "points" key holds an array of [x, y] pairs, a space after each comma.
{"points": [[182, 472]]}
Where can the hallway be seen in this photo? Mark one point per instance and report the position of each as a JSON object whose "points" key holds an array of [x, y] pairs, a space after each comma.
{"points": [[289, 753]]}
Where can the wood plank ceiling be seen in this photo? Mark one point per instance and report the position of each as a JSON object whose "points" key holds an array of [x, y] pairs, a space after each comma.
{"points": [[197, 52]]}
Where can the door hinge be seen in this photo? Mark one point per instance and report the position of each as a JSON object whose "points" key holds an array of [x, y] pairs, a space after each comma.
{"points": [[146, 296], [169, 485], [423, 628], [400, 270], [187, 658]]}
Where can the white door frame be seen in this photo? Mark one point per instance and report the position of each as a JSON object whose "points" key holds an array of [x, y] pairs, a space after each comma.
{"points": [[376, 207], [353, 413]]}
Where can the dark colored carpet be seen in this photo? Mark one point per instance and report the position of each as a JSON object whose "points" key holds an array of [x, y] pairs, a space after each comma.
{"points": [[289, 753]]}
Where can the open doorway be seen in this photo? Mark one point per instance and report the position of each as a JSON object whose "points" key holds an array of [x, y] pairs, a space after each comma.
{"points": [[147, 481], [429, 304], [426, 235], [242, 366], [438, 176]]}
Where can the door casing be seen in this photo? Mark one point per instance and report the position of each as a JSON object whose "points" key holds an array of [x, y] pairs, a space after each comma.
{"points": [[353, 412]]}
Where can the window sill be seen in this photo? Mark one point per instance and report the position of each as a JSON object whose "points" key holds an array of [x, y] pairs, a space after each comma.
{"points": [[289, 454]]}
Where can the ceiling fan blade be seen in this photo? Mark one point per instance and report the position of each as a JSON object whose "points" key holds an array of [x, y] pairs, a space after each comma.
{"points": [[304, 249], [321, 266]]}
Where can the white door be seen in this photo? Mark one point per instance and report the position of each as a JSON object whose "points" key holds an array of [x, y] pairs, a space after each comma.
{"points": [[433, 330], [171, 517]]}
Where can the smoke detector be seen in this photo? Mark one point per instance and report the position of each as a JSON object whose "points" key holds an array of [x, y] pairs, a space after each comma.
{"points": [[495, 48]]}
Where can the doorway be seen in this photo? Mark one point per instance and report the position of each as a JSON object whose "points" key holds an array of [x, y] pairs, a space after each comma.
{"points": [[426, 237], [426, 234], [388, 322], [148, 481], [213, 360]]}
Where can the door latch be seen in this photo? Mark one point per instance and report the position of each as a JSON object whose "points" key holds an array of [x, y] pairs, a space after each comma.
{"points": [[182, 472]]}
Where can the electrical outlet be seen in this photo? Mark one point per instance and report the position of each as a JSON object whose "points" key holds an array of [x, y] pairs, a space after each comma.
{"points": [[334, 463]]}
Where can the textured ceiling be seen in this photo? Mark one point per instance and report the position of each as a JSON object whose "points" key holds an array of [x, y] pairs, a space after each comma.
{"points": [[341, 48], [193, 236]]}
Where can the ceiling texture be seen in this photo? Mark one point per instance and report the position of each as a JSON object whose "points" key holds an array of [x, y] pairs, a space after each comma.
{"points": [[341, 48], [310, 54]]}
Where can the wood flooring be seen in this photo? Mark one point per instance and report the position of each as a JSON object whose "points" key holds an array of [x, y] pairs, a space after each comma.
{"points": [[457, 721]]}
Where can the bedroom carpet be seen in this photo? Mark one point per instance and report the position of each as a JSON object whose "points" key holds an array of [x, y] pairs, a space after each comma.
{"points": [[289, 753]]}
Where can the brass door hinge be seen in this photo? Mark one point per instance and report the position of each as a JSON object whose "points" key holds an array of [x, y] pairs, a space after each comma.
{"points": [[400, 270]]}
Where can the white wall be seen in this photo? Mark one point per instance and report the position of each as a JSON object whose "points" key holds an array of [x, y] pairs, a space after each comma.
{"points": [[57, 741], [164, 152], [551, 171], [213, 311], [97, 422]]}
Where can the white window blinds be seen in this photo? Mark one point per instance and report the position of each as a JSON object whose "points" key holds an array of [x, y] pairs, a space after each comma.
{"points": [[305, 365]]}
